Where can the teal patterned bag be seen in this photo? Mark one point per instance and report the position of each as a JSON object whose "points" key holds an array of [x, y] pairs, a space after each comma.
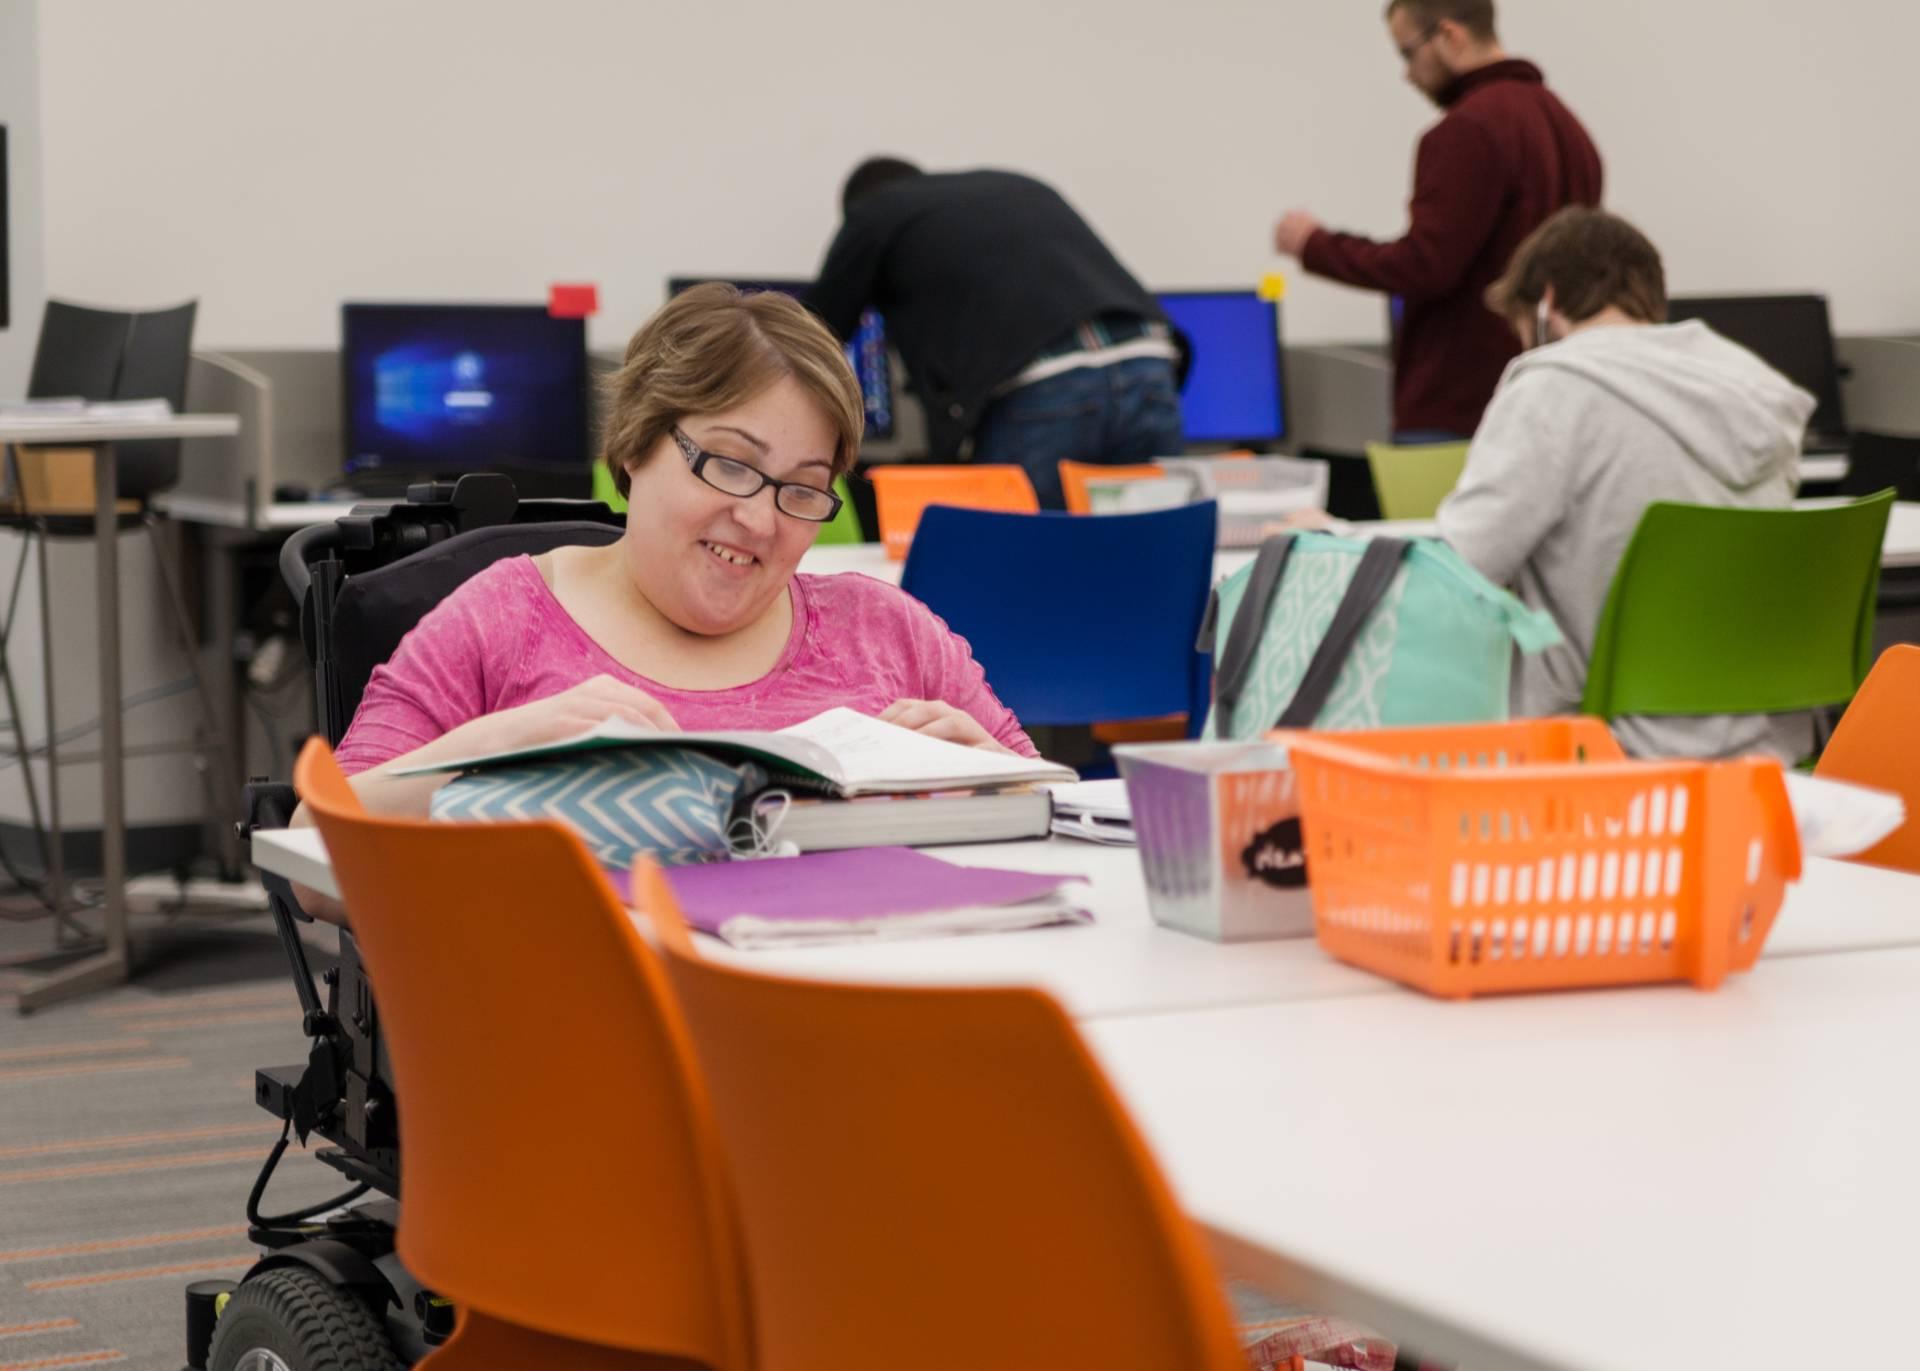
{"points": [[670, 803], [1335, 632]]}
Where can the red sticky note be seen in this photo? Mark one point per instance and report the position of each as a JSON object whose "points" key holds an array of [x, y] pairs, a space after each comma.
{"points": [[573, 302]]}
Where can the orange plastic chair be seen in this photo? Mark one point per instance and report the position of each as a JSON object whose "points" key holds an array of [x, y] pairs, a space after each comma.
{"points": [[1878, 744], [937, 1178], [562, 1181], [901, 492], [1074, 477]]}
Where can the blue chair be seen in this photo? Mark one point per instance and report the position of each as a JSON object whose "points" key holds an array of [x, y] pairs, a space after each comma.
{"points": [[1077, 620]]}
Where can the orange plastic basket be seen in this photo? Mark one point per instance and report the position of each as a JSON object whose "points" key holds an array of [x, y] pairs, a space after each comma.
{"points": [[1475, 859]]}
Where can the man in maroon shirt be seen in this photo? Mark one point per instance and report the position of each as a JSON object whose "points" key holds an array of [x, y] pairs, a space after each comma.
{"points": [[1506, 156]]}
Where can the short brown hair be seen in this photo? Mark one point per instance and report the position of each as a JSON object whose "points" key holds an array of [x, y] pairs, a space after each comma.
{"points": [[713, 347], [1589, 259], [1475, 16]]}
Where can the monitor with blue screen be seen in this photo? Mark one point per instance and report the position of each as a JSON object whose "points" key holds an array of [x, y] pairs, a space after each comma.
{"points": [[1234, 392], [447, 389], [866, 351]]}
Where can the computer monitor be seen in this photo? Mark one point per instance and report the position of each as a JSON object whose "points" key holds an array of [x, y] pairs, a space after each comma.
{"points": [[866, 351], [1791, 333], [1234, 391], [441, 390]]}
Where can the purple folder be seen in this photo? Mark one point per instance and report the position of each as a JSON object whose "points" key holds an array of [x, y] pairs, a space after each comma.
{"points": [[863, 893]]}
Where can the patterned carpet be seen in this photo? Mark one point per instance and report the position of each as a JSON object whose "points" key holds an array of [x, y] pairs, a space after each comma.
{"points": [[129, 1138]]}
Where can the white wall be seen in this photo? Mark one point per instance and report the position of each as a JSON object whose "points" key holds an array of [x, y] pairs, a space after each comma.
{"points": [[273, 159], [20, 112]]}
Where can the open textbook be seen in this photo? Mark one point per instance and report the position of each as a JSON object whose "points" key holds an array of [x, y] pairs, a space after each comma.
{"points": [[841, 752]]}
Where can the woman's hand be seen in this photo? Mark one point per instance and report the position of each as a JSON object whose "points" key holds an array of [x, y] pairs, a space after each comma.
{"points": [[938, 719], [561, 716]]}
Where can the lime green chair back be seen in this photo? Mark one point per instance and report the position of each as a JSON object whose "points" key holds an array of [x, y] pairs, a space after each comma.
{"points": [[1412, 480], [844, 527], [605, 491], [1739, 611]]}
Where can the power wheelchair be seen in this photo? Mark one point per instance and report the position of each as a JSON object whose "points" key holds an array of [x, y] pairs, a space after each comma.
{"points": [[329, 1293]]}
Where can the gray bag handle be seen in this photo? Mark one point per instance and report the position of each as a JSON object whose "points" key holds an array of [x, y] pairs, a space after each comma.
{"points": [[1371, 581], [1235, 661]]}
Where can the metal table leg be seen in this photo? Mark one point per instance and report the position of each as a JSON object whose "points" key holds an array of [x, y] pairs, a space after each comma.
{"points": [[112, 966]]}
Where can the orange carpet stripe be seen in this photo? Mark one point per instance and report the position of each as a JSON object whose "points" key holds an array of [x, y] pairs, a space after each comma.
{"points": [[28, 1054], [23, 1330], [47, 1073], [125, 1168], [141, 1273], [184, 1004], [71, 1359], [288, 1014], [82, 1249], [117, 1140]]}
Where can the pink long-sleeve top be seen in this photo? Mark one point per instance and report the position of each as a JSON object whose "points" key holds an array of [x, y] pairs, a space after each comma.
{"points": [[502, 639]]}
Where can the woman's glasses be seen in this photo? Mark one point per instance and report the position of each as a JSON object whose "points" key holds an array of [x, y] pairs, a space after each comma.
{"points": [[733, 477]]}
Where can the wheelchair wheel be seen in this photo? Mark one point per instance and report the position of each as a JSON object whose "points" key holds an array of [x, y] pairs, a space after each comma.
{"points": [[291, 1319]]}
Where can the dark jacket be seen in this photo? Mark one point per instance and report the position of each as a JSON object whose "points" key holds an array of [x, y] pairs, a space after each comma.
{"points": [[975, 273], [1507, 155]]}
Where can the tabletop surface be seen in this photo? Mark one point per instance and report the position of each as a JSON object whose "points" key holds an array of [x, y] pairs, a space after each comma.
{"points": [[1628, 1180]]}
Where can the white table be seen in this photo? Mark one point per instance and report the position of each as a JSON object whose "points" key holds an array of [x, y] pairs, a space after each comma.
{"points": [[1900, 548], [1639, 1180], [1126, 964], [109, 967], [1595, 1181]]}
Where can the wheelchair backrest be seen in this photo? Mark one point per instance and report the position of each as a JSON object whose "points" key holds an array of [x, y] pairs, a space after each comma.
{"points": [[376, 609], [365, 581]]}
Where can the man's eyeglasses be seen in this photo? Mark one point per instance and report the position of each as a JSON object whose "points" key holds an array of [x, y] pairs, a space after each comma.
{"points": [[737, 478], [1406, 53]]}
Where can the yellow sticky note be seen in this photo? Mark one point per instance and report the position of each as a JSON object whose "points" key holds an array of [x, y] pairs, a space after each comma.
{"points": [[1273, 286]]}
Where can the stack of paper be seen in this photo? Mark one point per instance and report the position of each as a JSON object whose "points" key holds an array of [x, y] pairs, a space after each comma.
{"points": [[56, 412], [1837, 818], [868, 893], [1095, 811]]}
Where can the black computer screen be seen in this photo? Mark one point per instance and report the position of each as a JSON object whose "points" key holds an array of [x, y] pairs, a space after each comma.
{"points": [[866, 351], [1791, 333], [1234, 392], [447, 389]]}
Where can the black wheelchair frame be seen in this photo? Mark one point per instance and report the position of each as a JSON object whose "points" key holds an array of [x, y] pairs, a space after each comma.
{"points": [[342, 1092]]}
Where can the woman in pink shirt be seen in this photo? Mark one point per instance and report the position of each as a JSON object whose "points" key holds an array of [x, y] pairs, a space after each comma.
{"points": [[726, 426]]}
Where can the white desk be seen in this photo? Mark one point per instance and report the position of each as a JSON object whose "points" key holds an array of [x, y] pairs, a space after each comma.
{"points": [[1124, 963], [1640, 1180], [281, 516], [1901, 547], [1628, 1179], [111, 966]]}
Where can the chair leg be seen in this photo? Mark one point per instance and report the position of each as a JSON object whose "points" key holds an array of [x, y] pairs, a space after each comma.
{"points": [[223, 807]]}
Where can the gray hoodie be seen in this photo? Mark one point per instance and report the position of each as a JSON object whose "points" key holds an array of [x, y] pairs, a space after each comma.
{"points": [[1580, 438]]}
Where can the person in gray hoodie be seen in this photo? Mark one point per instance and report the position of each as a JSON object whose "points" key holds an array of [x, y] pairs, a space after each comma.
{"points": [[1609, 410]]}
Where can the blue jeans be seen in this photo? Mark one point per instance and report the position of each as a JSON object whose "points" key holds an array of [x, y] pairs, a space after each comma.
{"points": [[1126, 412]]}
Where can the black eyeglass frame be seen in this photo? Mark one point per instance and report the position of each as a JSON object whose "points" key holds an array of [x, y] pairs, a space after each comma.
{"points": [[698, 458]]}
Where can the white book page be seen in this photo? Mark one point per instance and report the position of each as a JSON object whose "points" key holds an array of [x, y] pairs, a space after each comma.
{"points": [[875, 757]]}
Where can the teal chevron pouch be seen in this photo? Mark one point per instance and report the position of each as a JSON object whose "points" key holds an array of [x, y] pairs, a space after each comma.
{"points": [[671, 804]]}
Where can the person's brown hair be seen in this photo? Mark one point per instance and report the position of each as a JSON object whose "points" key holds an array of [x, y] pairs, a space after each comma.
{"points": [[713, 347], [1475, 16], [1589, 259]]}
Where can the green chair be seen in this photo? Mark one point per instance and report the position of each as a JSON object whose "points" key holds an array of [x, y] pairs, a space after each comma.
{"points": [[604, 490], [844, 527], [1739, 611], [1411, 481]]}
